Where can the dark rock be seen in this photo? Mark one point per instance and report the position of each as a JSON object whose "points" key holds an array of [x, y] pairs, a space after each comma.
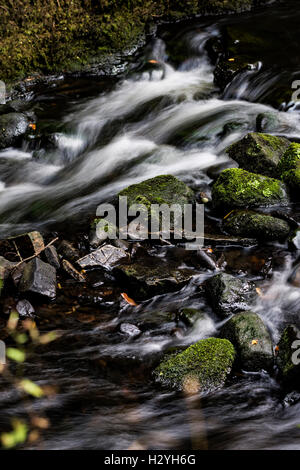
{"points": [[237, 188], [39, 278], [6, 268], [253, 225], [259, 153], [68, 251], [251, 339], [203, 367], [107, 256], [52, 256], [73, 272], [13, 126], [130, 330], [25, 309], [150, 276], [28, 244], [288, 357], [229, 295]]}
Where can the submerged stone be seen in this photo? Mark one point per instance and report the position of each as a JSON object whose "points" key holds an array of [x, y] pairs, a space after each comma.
{"points": [[206, 364], [251, 339], [253, 225], [259, 153], [229, 295], [150, 276], [237, 188], [39, 278], [130, 330]]}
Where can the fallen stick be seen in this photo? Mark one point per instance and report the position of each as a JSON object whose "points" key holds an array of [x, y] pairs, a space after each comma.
{"points": [[36, 254]]}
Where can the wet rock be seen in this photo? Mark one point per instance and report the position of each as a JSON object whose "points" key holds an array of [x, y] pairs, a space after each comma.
{"points": [[237, 188], [259, 153], [52, 257], [253, 225], [150, 276], [288, 357], [251, 339], [130, 330], [229, 295], [289, 168], [13, 126], [73, 272], [39, 278], [267, 122], [204, 366], [68, 251], [6, 268], [107, 256], [164, 189], [25, 309], [101, 230], [28, 244]]}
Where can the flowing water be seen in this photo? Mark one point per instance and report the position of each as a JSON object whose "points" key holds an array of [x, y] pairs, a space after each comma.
{"points": [[98, 136]]}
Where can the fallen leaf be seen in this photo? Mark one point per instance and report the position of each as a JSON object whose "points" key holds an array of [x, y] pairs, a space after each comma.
{"points": [[128, 299], [254, 341], [152, 61], [231, 59]]}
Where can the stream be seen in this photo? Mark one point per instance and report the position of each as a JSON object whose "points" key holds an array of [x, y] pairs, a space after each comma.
{"points": [[97, 135]]}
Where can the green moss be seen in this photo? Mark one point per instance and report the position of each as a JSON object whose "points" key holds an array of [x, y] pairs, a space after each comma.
{"points": [[237, 188], [289, 168], [290, 159], [290, 372], [253, 225], [208, 361], [259, 153], [51, 35], [164, 189]]}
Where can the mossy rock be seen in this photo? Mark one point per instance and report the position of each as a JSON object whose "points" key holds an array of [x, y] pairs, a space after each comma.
{"points": [[251, 339], [237, 188], [288, 357], [206, 363], [164, 189], [253, 225], [289, 168], [259, 153], [228, 294], [290, 159]]}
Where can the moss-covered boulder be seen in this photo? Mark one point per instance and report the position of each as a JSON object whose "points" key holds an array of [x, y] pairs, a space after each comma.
{"points": [[206, 363], [237, 188], [290, 160], [228, 294], [289, 168], [12, 127], [253, 225], [288, 357], [164, 189], [251, 339], [259, 153]]}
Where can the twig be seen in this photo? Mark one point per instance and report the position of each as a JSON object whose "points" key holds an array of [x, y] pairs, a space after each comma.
{"points": [[36, 254], [17, 250]]}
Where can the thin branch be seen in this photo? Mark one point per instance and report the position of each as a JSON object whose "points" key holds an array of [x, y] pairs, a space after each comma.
{"points": [[36, 254]]}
